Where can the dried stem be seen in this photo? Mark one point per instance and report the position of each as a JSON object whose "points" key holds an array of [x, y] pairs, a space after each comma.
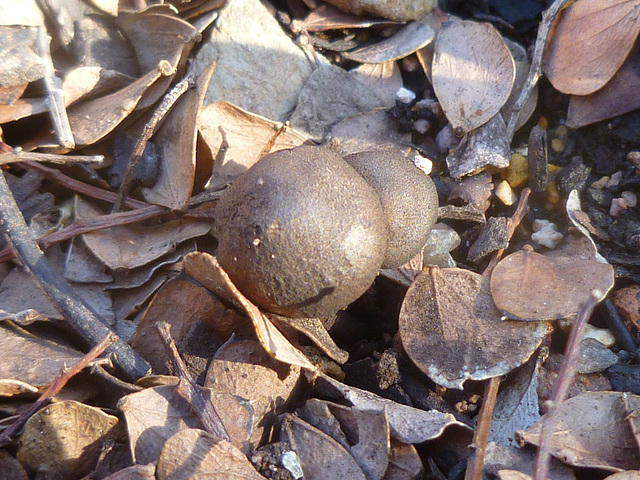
{"points": [[55, 386], [564, 381], [18, 156], [55, 93], [75, 310], [272, 141], [475, 463], [150, 128], [548, 18], [190, 390]]}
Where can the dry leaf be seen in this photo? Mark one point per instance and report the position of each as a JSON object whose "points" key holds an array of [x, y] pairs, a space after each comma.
{"points": [[590, 42], [402, 11], [632, 408], [451, 329], [404, 462], [191, 329], [236, 138], [527, 285], [522, 71], [193, 454], [156, 414], [321, 457], [82, 83], [66, 439], [205, 269], [175, 142], [20, 62], [475, 191], [244, 369], [131, 246], [404, 42], [620, 95], [523, 461], [472, 73], [628, 475], [372, 130], [31, 359], [590, 430], [326, 17], [92, 120], [486, 146], [135, 472], [383, 78]]}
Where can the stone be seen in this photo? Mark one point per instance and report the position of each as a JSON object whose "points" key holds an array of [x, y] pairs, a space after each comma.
{"points": [[259, 67], [400, 10], [595, 357], [573, 176]]}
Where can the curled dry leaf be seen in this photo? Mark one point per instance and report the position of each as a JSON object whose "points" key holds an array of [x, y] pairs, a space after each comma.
{"points": [[590, 430], [83, 82], [620, 95], [487, 145], [321, 457], [400, 10], [236, 138], [406, 424], [66, 439], [198, 309], [556, 283], [92, 120], [472, 73], [452, 330], [326, 17], [175, 142], [522, 71], [193, 453], [590, 42], [205, 269], [131, 246], [403, 43], [244, 369], [155, 414], [31, 359]]}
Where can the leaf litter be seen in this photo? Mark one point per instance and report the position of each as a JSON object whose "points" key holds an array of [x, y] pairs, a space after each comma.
{"points": [[267, 379]]}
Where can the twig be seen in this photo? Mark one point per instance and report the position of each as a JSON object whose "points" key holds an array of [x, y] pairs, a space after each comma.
{"points": [[149, 129], [55, 93], [475, 463], [13, 157], [78, 186], [272, 141], [82, 317], [80, 227], [564, 381], [548, 17], [190, 390], [56, 385]]}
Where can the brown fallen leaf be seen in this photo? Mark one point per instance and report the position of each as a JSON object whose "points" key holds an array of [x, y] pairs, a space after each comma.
{"points": [[131, 246], [591, 431], [522, 71], [411, 37], [236, 138], [632, 408], [135, 472], [452, 330], [155, 414], [191, 329], [65, 439], [475, 191], [244, 369], [556, 283], [404, 462], [472, 73], [619, 95], [192, 454], [175, 142], [326, 17], [83, 83], [321, 457], [590, 42]]}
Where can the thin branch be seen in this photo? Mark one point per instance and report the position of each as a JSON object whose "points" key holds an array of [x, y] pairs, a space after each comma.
{"points": [[55, 93], [150, 128], [75, 310], [55, 386], [19, 156], [475, 463], [548, 18], [190, 390], [563, 383]]}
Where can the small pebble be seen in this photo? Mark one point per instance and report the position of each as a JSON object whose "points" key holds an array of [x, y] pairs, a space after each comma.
{"points": [[421, 125], [423, 163], [627, 302], [561, 131], [629, 197], [441, 241], [625, 378], [614, 181], [518, 171], [553, 195], [618, 205], [543, 123], [595, 357], [405, 95], [557, 145], [545, 233], [600, 184], [291, 462], [446, 139], [506, 194], [634, 159]]}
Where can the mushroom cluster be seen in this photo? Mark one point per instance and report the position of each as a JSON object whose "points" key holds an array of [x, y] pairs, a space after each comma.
{"points": [[304, 232]]}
